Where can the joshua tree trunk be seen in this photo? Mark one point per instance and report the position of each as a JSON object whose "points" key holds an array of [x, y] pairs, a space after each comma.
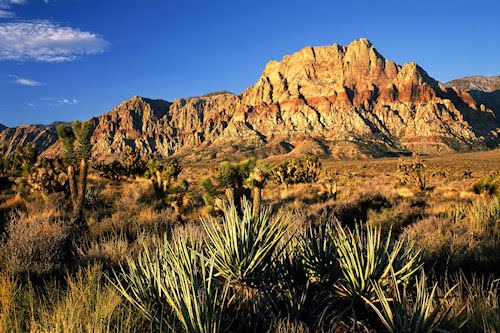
{"points": [[230, 194], [257, 197], [78, 189], [72, 186]]}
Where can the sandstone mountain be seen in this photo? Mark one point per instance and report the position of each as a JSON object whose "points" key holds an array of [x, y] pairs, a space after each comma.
{"points": [[337, 101]]}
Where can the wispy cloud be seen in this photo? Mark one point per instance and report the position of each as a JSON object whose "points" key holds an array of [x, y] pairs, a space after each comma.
{"points": [[5, 8], [45, 41], [67, 101], [6, 14], [59, 101], [26, 82]]}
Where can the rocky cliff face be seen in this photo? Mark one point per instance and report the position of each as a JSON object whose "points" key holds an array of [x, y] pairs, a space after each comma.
{"points": [[340, 101]]}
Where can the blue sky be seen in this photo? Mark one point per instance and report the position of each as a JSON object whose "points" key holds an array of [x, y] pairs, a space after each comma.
{"points": [[73, 59]]}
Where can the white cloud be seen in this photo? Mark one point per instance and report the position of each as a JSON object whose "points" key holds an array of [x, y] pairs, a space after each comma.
{"points": [[6, 14], [5, 6], [45, 41], [8, 3], [26, 82]]}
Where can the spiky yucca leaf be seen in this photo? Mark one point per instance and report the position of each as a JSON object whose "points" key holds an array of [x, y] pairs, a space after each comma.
{"points": [[243, 248], [318, 253], [365, 257], [401, 311], [174, 279]]}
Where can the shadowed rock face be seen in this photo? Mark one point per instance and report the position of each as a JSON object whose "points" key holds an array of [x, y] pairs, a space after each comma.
{"points": [[341, 101], [484, 89]]}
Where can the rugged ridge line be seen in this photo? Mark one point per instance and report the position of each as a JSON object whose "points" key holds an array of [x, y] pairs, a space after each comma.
{"points": [[339, 101]]}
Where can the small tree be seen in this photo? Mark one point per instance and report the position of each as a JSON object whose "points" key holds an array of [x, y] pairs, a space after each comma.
{"points": [[76, 148]]}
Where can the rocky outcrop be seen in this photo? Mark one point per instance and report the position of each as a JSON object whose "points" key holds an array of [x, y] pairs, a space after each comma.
{"points": [[339, 101]]}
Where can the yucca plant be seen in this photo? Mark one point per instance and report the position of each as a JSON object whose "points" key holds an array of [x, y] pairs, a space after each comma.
{"points": [[318, 253], [403, 311], [175, 280], [291, 281], [244, 247], [365, 257]]}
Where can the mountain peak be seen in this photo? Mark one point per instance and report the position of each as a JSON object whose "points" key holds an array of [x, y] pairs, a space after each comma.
{"points": [[362, 42]]}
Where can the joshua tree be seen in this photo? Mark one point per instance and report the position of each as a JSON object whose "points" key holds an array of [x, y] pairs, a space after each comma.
{"points": [[76, 148], [414, 173], [4, 161], [162, 173], [232, 176], [257, 179]]}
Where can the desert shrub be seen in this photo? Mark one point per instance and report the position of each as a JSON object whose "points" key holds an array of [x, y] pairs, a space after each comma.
{"points": [[174, 286], [357, 210], [209, 195], [110, 251], [35, 243], [9, 288], [251, 253], [395, 218], [467, 237], [89, 303], [289, 283], [474, 304], [489, 185], [133, 222], [129, 164], [286, 325], [48, 177]]}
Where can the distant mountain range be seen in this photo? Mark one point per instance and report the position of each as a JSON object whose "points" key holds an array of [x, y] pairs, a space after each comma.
{"points": [[335, 101], [484, 89]]}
